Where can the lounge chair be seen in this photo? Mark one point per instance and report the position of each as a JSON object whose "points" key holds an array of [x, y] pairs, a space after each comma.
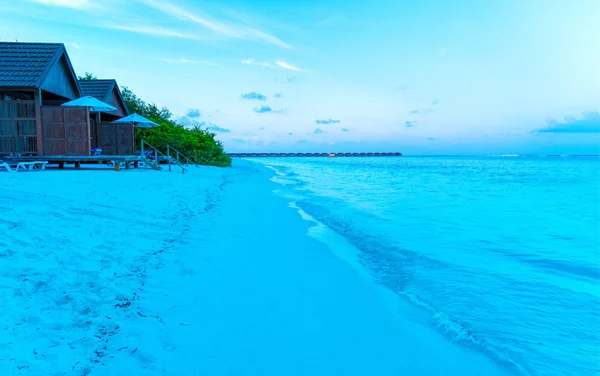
{"points": [[23, 166]]}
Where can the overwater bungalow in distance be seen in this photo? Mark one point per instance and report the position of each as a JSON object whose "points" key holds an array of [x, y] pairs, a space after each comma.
{"points": [[35, 80], [252, 155]]}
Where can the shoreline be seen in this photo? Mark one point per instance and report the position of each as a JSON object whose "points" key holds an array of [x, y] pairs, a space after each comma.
{"points": [[408, 307], [203, 273]]}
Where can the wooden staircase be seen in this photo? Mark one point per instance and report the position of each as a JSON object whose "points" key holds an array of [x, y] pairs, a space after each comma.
{"points": [[151, 163], [154, 162]]}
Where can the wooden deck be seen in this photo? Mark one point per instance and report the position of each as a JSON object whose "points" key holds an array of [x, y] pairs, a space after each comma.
{"points": [[77, 160]]}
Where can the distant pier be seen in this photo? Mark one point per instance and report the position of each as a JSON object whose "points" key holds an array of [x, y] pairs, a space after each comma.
{"points": [[330, 155]]}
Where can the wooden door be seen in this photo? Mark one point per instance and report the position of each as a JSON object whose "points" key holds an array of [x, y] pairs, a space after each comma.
{"points": [[106, 139], [77, 130], [115, 139], [124, 139]]}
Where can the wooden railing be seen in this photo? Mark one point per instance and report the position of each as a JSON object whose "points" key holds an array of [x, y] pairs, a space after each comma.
{"points": [[178, 156], [155, 162], [18, 145]]}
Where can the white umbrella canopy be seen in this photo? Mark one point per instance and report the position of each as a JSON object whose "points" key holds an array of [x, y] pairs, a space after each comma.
{"points": [[94, 104], [137, 121]]}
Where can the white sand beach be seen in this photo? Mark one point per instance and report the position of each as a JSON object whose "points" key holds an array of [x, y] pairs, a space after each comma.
{"points": [[141, 272]]}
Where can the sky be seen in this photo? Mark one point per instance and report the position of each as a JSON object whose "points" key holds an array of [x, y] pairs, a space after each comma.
{"points": [[414, 76]]}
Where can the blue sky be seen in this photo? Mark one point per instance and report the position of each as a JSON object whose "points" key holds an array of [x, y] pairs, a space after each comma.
{"points": [[420, 77]]}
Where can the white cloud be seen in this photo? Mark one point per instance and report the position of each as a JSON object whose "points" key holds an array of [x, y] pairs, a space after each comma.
{"points": [[277, 64], [76, 4], [152, 30], [251, 61], [183, 60], [75, 45], [284, 65], [228, 30]]}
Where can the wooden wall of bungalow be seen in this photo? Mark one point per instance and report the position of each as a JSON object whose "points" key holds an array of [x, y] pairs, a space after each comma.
{"points": [[18, 124], [27, 127]]}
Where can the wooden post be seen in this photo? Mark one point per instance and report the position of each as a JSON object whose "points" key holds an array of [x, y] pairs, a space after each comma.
{"points": [[127, 165], [61, 165], [169, 156], [89, 130], [37, 97], [77, 164], [136, 164], [132, 140], [117, 165]]}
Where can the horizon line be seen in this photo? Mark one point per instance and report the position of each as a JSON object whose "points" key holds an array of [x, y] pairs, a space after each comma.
{"points": [[416, 155]]}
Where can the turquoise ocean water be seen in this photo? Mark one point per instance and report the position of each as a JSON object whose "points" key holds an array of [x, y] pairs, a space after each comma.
{"points": [[501, 254]]}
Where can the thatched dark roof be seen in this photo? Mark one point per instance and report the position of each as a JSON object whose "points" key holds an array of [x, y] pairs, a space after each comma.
{"points": [[98, 89], [27, 64], [104, 90]]}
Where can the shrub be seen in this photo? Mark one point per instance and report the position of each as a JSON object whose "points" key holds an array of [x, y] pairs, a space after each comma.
{"points": [[194, 142]]}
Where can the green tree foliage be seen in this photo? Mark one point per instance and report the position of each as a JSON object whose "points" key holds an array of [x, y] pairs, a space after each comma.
{"points": [[196, 143], [88, 76]]}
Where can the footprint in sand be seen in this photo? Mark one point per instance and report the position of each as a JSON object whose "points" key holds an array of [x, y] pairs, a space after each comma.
{"points": [[146, 360]]}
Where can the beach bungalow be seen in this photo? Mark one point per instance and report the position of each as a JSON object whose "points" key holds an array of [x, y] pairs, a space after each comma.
{"points": [[113, 139], [35, 79]]}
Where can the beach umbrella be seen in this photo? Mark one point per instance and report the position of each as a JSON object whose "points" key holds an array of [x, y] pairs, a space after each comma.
{"points": [[92, 103], [140, 122], [137, 121]]}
